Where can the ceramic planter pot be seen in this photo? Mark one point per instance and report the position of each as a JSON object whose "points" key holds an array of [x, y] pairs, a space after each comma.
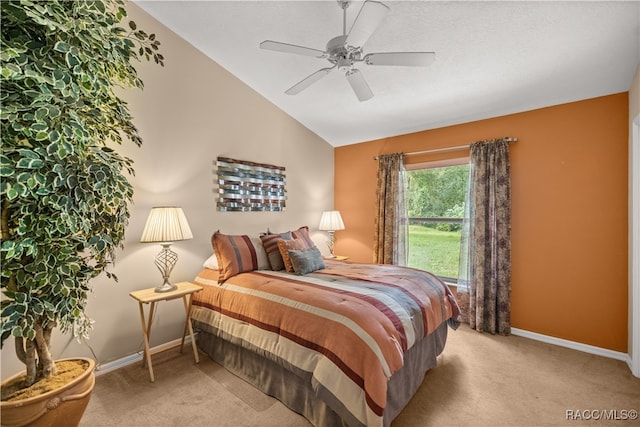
{"points": [[61, 407]]}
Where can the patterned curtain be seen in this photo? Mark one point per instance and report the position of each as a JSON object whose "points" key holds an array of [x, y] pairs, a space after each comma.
{"points": [[390, 240], [485, 264]]}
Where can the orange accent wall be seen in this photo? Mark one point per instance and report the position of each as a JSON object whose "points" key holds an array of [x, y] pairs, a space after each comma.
{"points": [[569, 211]]}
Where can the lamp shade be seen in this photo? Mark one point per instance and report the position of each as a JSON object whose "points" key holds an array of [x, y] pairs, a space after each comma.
{"points": [[166, 224], [331, 221]]}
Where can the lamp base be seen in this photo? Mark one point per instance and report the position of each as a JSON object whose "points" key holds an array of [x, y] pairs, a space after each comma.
{"points": [[165, 261], [166, 287], [330, 244]]}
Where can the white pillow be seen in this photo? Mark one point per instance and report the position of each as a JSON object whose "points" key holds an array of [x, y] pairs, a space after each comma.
{"points": [[211, 262], [263, 260]]}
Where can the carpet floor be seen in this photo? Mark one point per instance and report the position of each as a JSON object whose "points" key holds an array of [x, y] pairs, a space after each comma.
{"points": [[481, 380]]}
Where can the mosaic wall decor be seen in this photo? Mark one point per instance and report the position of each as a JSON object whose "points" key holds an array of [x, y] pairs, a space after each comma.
{"points": [[248, 186]]}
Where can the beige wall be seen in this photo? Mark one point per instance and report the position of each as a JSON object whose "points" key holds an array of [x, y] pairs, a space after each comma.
{"points": [[190, 112]]}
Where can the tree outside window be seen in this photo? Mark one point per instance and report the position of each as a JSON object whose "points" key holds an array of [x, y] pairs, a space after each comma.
{"points": [[435, 207]]}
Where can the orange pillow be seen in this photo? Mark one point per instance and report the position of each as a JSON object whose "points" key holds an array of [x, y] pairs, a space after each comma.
{"points": [[284, 246]]}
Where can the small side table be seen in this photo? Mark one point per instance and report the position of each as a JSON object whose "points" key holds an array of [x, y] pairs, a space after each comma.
{"points": [[337, 258], [150, 296]]}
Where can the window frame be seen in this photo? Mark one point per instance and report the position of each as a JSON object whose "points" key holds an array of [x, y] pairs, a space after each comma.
{"points": [[457, 161]]}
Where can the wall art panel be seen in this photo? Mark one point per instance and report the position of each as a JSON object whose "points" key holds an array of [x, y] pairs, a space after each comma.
{"points": [[245, 186]]}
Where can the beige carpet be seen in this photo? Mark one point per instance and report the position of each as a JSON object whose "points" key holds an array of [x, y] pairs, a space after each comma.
{"points": [[481, 380]]}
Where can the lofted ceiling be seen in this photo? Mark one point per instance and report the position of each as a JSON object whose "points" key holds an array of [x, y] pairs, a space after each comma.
{"points": [[492, 58]]}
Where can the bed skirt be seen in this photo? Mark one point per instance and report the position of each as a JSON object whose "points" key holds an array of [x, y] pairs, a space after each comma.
{"points": [[294, 389]]}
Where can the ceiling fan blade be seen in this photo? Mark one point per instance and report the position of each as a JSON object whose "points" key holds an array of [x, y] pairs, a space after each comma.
{"points": [[359, 85], [368, 19], [292, 48], [407, 59], [308, 81]]}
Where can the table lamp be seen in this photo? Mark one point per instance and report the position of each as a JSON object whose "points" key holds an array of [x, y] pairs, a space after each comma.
{"points": [[165, 225], [331, 221]]}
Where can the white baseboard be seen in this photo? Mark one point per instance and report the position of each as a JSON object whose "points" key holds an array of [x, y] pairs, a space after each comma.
{"points": [[573, 345], [103, 368]]}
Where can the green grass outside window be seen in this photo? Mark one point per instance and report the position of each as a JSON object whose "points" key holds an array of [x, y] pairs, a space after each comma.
{"points": [[433, 250]]}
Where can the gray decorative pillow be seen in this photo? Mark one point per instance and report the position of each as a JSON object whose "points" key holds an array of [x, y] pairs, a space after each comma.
{"points": [[306, 261]]}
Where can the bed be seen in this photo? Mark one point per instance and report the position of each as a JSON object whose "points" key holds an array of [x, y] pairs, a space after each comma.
{"points": [[343, 344]]}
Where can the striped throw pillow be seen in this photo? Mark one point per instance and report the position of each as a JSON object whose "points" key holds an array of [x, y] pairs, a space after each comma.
{"points": [[270, 244], [236, 254], [303, 234]]}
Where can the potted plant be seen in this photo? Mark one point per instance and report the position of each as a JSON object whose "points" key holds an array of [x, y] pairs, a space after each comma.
{"points": [[64, 190]]}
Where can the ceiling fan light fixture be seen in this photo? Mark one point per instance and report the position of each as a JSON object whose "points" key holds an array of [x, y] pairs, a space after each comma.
{"points": [[344, 63], [345, 50]]}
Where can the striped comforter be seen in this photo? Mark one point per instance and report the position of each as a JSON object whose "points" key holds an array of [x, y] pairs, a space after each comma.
{"points": [[347, 326]]}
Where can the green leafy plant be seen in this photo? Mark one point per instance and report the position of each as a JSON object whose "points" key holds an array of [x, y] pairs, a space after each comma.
{"points": [[64, 190]]}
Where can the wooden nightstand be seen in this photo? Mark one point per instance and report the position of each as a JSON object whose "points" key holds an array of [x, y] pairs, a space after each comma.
{"points": [[337, 258], [150, 296]]}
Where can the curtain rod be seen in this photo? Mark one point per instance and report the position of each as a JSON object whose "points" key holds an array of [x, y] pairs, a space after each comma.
{"points": [[439, 150]]}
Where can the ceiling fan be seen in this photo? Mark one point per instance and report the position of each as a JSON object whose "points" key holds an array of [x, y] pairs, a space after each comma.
{"points": [[345, 51]]}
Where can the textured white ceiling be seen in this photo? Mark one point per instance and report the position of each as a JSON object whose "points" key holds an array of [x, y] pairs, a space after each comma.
{"points": [[492, 58]]}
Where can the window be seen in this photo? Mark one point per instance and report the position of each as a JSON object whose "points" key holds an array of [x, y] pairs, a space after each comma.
{"points": [[435, 207]]}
